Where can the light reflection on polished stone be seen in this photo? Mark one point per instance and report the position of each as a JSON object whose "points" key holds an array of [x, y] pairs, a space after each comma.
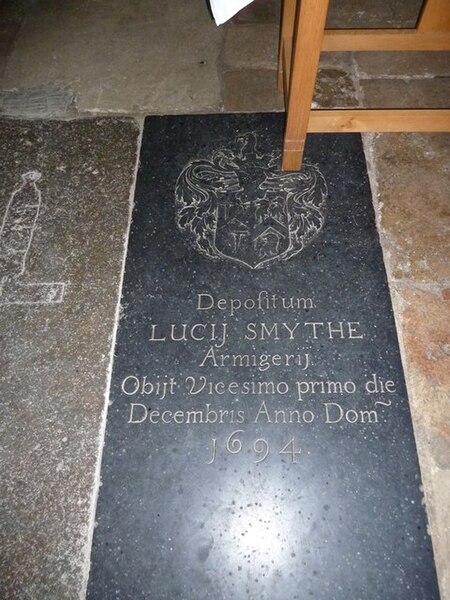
{"points": [[259, 533]]}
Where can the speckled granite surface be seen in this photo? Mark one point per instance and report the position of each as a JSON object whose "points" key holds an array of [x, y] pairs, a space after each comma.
{"points": [[56, 340], [239, 275]]}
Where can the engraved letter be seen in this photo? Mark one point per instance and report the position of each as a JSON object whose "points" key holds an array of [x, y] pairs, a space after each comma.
{"points": [[140, 406], [153, 337], [135, 389], [340, 414], [206, 297], [251, 329]]}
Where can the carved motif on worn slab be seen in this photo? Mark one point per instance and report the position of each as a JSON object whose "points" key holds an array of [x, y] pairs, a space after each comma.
{"points": [[16, 236], [223, 218]]}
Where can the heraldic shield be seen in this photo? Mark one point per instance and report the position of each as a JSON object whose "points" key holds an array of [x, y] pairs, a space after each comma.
{"points": [[238, 206]]}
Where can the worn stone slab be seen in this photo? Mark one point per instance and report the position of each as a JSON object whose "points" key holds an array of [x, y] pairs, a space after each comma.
{"points": [[13, 12], [423, 316], [342, 13], [406, 93], [8, 32], [64, 208], [249, 90], [256, 89], [373, 13], [251, 46], [413, 191], [46, 101], [335, 88], [414, 210], [402, 64], [259, 11], [212, 488], [169, 67]]}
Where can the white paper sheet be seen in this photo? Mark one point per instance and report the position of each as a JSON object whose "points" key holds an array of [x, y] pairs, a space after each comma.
{"points": [[224, 9]]}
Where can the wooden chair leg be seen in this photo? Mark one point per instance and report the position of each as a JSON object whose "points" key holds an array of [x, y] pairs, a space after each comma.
{"points": [[286, 37], [310, 25], [435, 16]]}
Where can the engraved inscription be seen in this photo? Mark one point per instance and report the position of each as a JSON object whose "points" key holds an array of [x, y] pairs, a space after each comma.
{"points": [[213, 390]]}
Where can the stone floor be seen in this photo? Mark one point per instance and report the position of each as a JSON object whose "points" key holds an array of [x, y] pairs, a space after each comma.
{"points": [[76, 80]]}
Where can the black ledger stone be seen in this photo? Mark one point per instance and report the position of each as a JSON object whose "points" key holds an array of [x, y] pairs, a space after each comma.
{"points": [[259, 441]]}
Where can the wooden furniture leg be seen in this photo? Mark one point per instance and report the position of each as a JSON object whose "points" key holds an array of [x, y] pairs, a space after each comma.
{"points": [[435, 16], [302, 38], [309, 30], [286, 36]]}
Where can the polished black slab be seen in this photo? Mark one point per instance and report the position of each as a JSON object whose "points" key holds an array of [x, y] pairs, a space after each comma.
{"points": [[259, 441]]}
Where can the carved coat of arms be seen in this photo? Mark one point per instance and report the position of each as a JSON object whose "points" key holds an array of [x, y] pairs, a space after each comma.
{"points": [[238, 206]]}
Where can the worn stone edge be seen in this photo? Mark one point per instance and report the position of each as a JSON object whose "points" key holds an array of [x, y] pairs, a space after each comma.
{"points": [[398, 311], [102, 429]]}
